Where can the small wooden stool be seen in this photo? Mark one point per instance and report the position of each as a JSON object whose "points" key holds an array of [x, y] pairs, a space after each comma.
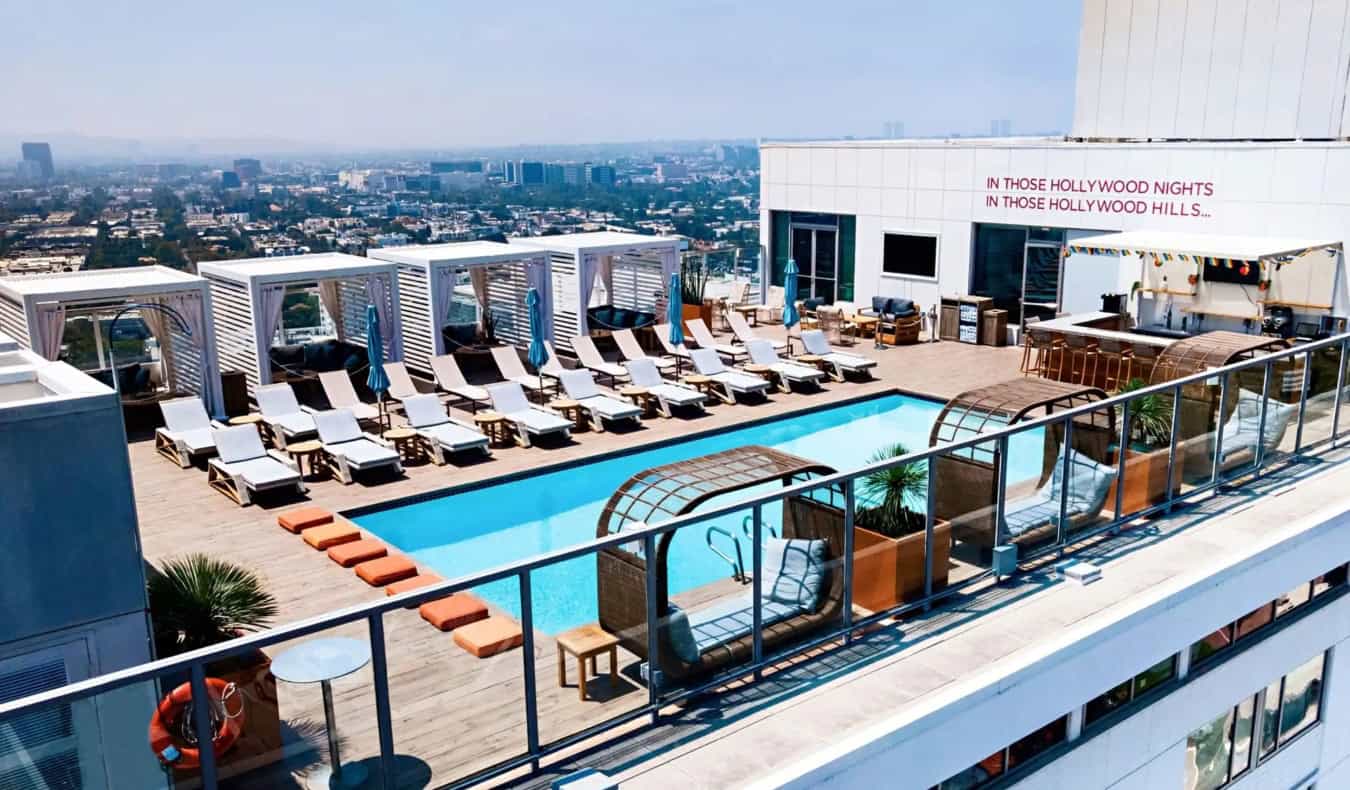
{"points": [[405, 443], [571, 410], [311, 450], [493, 426], [587, 642]]}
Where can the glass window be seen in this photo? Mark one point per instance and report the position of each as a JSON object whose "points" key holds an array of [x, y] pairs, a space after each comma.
{"points": [[1155, 676], [1202, 650], [1242, 736], [977, 775], [1326, 581], [1111, 700], [1207, 754], [1302, 698], [1037, 742], [1254, 620], [1292, 600], [911, 256], [1269, 716]]}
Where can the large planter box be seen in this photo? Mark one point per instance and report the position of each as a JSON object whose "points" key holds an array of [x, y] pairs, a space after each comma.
{"points": [[691, 311], [1145, 481], [889, 571]]}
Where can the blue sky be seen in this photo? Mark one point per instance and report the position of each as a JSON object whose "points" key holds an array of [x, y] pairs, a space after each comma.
{"points": [[443, 73]]}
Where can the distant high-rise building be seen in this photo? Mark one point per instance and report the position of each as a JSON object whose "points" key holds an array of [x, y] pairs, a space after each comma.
{"points": [[602, 176], [893, 130], [229, 180], [460, 166], [670, 171], [574, 174], [511, 172], [530, 173], [41, 155], [248, 169], [553, 174]]}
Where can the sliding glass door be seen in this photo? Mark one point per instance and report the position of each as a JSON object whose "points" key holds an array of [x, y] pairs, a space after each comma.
{"points": [[816, 250]]}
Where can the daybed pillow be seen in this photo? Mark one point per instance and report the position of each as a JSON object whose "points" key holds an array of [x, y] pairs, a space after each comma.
{"points": [[1088, 481], [903, 307], [1247, 420], [681, 636], [794, 570], [881, 304]]}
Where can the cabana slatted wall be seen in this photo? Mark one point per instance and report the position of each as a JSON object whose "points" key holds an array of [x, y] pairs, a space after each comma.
{"points": [[636, 279], [12, 322], [507, 288], [564, 300], [419, 345], [232, 316]]}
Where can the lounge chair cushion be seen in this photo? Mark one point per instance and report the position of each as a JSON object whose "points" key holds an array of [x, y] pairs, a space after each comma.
{"points": [[195, 439], [385, 570], [733, 618], [455, 436], [424, 410], [420, 580], [357, 551], [679, 396], [261, 472], [453, 612], [488, 637], [1030, 512], [238, 443], [293, 423], [793, 571], [1088, 483], [363, 452], [1241, 430], [329, 535], [337, 425], [302, 518], [681, 635]]}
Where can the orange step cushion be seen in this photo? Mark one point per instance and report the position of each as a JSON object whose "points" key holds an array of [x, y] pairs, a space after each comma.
{"points": [[458, 610], [489, 637], [302, 518], [357, 551], [330, 535], [420, 580], [385, 570]]}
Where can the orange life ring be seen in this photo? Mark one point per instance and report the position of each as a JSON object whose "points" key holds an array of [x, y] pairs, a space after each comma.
{"points": [[176, 705]]}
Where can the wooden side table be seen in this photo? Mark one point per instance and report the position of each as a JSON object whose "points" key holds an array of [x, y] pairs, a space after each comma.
{"points": [[705, 385], [750, 312], [816, 361], [865, 325], [587, 642], [640, 396], [253, 419], [309, 450], [405, 442], [571, 410], [494, 427]]}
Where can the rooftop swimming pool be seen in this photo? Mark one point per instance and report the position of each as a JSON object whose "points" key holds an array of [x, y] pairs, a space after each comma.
{"points": [[477, 529]]}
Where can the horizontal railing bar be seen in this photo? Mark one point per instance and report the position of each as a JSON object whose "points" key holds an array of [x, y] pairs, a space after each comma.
{"points": [[358, 612]]}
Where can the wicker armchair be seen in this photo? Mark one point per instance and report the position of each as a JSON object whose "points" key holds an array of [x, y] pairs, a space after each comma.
{"points": [[902, 329]]}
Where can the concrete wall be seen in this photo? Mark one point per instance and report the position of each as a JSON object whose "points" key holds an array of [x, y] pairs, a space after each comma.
{"points": [[1287, 190], [1212, 69]]}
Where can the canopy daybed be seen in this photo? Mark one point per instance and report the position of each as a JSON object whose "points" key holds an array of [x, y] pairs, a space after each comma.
{"points": [[69, 315], [607, 280], [967, 481], [247, 300], [491, 277], [663, 492]]}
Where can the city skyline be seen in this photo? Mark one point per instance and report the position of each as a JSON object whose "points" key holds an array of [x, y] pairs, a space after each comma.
{"points": [[428, 78]]}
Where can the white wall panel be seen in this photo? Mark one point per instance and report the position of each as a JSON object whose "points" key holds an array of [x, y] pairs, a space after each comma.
{"points": [[1297, 175], [1193, 77], [870, 167], [846, 167], [798, 166], [822, 166], [1139, 68], [1253, 75], [1224, 63], [1286, 69], [926, 168], [895, 170], [1322, 85], [1089, 69], [1164, 86], [1115, 55], [959, 168]]}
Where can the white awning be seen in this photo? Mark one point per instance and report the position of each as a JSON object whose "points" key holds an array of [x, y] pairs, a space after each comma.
{"points": [[1199, 245]]}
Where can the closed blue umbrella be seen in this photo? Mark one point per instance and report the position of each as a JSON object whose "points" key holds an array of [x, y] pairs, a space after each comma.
{"points": [[790, 314], [538, 354], [376, 378], [675, 315]]}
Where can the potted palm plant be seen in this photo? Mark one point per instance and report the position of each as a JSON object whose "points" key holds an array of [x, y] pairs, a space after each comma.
{"points": [[197, 601], [888, 536], [1146, 450], [693, 284]]}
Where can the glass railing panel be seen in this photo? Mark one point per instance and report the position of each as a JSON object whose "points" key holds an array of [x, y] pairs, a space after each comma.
{"points": [[1144, 429], [1089, 488], [1280, 433], [963, 488], [1323, 366], [1194, 414]]}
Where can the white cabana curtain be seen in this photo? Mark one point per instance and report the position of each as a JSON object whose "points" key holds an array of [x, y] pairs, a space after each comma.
{"points": [[377, 290], [478, 276], [587, 263], [160, 325], [330, 296], [50, 329], [267, 318], [442, 295], [189, 307], [606, 271], [539, 276]]}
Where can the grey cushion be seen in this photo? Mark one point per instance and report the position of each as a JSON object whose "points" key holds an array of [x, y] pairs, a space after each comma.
{"points": [[732, 618], [261, 472], [793, 571], [681, 635], [880, 303], [1088, 483], [1030, 512], [363, 452], [1242, 428], [902, 307]]}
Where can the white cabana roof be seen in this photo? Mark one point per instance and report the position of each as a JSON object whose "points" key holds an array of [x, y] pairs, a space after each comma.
{"points": [[1198, 245], [461, 254], [99, 284], [293, 268], [600, 242]]}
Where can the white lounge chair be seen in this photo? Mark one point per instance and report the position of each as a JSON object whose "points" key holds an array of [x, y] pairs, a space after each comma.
{"points": [[442, 434], [774, 304], [841, 362], [631, 350], [531, 422], [243, 467], [732, 382], [553, 366], [337, 387], [663, 336], [401, 384], [788, 373], [349, 450], [282, 414], [186, 432], [581, 388], [512, 369], [703, 336], [450, 379], [643, 373], [744, 333], [589, 357]]}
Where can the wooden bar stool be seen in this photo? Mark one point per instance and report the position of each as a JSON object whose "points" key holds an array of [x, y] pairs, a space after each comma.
{"points": [[1141, 363], [1081, 353], [1049, 353], [1115, 357], [1028, 366]]}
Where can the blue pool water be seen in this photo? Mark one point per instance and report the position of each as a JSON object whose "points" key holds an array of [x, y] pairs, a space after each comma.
{"points": [[478, 529]]}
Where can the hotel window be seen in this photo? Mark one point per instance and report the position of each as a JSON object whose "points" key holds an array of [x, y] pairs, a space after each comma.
{"points": [[1262, 616], [909, 255], [1131, 690], [1010, 759]]}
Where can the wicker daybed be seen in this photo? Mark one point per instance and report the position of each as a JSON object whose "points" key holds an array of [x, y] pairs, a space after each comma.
{"points": [[967, 481], [663, 492]]}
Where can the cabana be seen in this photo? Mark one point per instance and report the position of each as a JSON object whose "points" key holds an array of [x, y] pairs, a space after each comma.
{"points": [[488, 278], [719, 635], [248, 295], [162, 351], [967, 481], [607, 280]]}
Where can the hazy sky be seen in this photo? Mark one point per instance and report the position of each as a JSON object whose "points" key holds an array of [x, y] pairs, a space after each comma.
{"points": [[443, 73]]}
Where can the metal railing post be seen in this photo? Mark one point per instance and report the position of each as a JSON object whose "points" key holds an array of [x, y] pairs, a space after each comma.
{"points": [[1060, 532], [757, 589], [1123, 449], [1001, 490], [527, 663], [930, 517], [379, 669], [1172, 448], [1261, 423], [1302, 402], [1340, 386], [1218, 431], [201, 722], [849, 513], [653, 644]]}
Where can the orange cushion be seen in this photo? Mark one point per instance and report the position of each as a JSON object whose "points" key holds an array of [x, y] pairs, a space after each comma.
{"points": [[489, 637], [349, 554], [330, 535], [303, 518], [385, 570], [420, 580], [449, 613]]}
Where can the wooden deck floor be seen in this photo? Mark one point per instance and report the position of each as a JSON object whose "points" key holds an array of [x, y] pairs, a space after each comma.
{"points": [[454, 714]]}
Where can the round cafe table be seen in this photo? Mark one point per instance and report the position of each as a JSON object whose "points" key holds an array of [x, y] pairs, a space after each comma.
{"points": [[322, 661]]}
